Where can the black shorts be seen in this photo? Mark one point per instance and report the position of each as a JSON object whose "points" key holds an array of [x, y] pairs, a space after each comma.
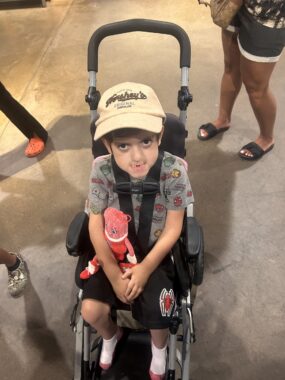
{"points": [[155, 305], [257, 42]]}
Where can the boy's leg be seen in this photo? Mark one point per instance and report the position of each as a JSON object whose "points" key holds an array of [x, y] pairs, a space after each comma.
{"points": [[98, 315], [154, 309], [17, 272], [158, 348]]}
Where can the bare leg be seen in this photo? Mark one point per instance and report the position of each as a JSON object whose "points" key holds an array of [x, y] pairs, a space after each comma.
{"points": [[158, 348], [6, 258], [97, 314], [159, 337], [231, 80], [17, 272], [256, 77]]}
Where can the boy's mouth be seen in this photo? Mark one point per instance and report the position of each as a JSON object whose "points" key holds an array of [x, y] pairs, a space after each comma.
{"points": [[138, 166]]}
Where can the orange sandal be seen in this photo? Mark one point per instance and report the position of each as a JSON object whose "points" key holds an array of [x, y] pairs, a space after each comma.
{"points": [[35, 147]]}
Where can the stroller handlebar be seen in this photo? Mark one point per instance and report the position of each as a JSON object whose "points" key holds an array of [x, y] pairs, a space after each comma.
{"points": [[139, 25]]}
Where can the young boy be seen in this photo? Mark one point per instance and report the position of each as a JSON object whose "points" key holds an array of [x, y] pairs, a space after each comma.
{"points": [[130, 125]]}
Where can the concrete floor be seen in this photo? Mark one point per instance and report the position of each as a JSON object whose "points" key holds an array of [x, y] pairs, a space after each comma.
{"points": [[239, 311]]}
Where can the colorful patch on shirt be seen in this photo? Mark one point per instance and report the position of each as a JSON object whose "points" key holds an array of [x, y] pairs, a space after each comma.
{"points": [[168, 161], [166, 176], [158, 219], [97, 180], [177, 201], [167, 192], [175, 173], [157, 233], [180, 186], [96, 210], [166, 302], [105, 169], [159, 207], [97, 194], [189, 193]]}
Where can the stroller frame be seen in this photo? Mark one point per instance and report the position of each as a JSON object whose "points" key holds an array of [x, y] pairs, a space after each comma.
{"points": [[187, 252]]}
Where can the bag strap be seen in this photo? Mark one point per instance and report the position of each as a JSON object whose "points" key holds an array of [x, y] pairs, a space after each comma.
{"points": [[148, 188]]}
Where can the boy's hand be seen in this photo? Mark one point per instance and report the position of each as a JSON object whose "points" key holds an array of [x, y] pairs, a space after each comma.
{"points": [[120, 287], [138, 277]]}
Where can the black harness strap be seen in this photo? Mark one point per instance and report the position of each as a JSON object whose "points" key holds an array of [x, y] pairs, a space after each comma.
{"points": [[148, 188], [122, 178], [147, 206]]}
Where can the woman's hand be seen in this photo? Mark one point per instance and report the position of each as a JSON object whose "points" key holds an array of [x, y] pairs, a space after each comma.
{"points": [[138, 276]]}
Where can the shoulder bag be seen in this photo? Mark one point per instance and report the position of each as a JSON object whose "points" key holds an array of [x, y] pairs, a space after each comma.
{"points": [[223, 11]]}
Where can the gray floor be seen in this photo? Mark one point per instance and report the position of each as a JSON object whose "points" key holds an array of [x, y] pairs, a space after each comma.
{"points": [[240, 308]]}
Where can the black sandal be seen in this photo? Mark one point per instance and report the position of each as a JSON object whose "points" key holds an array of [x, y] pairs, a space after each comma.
{"points": [[211, 131], [256, 151]]}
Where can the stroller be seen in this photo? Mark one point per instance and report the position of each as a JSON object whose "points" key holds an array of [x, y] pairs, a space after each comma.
{"points": [[133, 352]]}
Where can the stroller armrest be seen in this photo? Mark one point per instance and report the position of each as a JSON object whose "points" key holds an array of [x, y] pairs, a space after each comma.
{"points": [[77, 238], [194, 237]]}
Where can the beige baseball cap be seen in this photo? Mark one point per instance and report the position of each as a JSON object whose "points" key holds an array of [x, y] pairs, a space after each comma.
{"points": [[129, 105]]}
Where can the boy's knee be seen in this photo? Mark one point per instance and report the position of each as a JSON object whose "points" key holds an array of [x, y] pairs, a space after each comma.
{"points": [[93, 311]]}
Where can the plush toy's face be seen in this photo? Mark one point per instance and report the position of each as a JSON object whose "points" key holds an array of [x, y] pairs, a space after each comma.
{"points": [[116, 224]]}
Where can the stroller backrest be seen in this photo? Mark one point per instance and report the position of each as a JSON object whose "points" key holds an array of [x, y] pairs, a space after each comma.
{"points": [[173, 140]]}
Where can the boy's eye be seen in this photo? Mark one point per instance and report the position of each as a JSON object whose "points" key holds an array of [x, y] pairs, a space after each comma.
{"points": [[123, 146], [147, 142]]}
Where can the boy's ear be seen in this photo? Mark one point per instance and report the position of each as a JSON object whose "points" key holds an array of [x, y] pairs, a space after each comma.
{"points": [[107, 145], [160, 136]]}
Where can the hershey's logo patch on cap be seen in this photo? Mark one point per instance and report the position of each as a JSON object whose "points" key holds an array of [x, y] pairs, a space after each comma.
{"points": [[125, 97]]}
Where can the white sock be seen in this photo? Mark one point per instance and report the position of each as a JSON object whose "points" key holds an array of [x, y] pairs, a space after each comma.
{"points": [[108, 349], [158, 361]]}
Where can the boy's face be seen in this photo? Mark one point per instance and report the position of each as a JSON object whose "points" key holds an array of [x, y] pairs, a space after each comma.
{"points": [[137, 154]]}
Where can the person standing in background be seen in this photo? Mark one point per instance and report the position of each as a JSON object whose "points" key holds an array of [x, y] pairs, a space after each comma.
{"points": [[252, 45], [24, 121], [17, 272]]}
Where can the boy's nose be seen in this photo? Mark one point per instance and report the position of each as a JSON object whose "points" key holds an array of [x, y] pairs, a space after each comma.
{"points": [[136, 154]]}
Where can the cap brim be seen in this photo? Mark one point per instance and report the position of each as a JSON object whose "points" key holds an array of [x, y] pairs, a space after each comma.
{"points": [[145, 122]]}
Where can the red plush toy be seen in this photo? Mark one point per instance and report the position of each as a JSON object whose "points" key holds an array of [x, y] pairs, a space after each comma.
{"points": [[116, 234]]}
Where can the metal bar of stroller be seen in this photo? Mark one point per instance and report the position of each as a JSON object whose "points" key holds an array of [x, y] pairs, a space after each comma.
{"points": [[140, 25]]}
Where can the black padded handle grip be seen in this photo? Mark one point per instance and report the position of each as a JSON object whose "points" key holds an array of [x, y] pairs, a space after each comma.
{"points": [[139, 25]]}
